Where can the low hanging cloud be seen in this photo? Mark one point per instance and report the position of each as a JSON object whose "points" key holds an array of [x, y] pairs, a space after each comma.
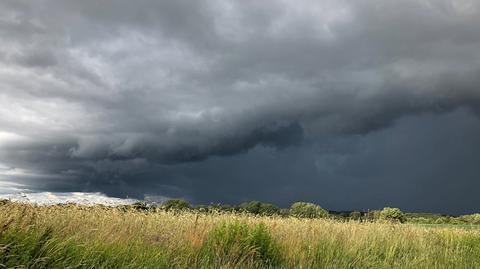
{"points": [[49, 198], [93, 90]]}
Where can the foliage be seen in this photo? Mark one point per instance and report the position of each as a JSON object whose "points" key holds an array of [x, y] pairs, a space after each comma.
{"points": [[392, 214], [436, 219], [215, 208], [472, 219], [176, 204], [307, 210], [256, 207]]}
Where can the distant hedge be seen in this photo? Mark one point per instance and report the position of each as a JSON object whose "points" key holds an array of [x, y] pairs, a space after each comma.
{"points": [[305, 210]]}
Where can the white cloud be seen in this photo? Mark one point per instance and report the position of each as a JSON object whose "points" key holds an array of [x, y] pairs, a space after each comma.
{"points": [[82, 198]]}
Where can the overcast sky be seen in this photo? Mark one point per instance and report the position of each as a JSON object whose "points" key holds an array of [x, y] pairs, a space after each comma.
{"points": [[352, 104]]}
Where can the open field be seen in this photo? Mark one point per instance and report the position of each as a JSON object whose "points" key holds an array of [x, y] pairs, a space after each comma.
{"points": [[72, 236]]}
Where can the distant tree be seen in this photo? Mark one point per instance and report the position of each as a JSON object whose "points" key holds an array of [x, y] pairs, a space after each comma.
{"points": [[176, 204], [259, 208], [392, 214], [250, 207], [307, 210], [268, 209]]}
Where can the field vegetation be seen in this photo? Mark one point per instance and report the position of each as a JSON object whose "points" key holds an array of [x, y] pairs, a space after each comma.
{"points": [[177, 235]]}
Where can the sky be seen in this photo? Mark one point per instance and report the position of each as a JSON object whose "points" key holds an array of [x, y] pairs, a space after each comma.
{"points": [[351, 104]]}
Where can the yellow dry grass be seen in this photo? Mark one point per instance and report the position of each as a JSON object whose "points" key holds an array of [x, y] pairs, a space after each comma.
{"points": [[305, 243]]}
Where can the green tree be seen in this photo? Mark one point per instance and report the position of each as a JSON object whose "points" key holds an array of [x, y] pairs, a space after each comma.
{"points": [[256, 207], [307, 210], [176, 204], [392, 214]]}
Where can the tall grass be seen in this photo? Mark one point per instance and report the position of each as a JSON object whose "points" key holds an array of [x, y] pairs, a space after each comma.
{"points": [[99, 237], [237, 244]]}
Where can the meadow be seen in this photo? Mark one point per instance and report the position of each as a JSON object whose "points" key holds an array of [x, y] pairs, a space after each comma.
{"points": [[73, 236]]}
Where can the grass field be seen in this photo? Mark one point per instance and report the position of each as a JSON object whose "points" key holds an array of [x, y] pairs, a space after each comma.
{"points": [[71, 236]]}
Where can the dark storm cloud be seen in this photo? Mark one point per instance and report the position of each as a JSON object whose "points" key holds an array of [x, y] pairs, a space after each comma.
{"points": [[96, 94], [427, 162]]}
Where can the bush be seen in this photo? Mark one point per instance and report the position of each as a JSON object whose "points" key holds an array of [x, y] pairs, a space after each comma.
{"points": [[259, 208], [176, 204], [421, 220], [392, 214], [236, 244], [307, 210]]}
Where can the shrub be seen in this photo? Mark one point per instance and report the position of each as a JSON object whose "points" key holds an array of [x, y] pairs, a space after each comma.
{"points": [[392, 214], [259, 208], [307, 210], [176, 204], [421, 220], [236, 244]]}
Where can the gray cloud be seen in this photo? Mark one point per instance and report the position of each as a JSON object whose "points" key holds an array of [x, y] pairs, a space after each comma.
{"points": [[95, 94]]}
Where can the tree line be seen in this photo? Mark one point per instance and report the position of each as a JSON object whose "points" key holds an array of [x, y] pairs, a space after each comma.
{"points": [[297, 209]]}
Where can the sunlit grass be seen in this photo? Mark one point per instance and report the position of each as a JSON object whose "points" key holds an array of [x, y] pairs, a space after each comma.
{"points": [[100, 237]]}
